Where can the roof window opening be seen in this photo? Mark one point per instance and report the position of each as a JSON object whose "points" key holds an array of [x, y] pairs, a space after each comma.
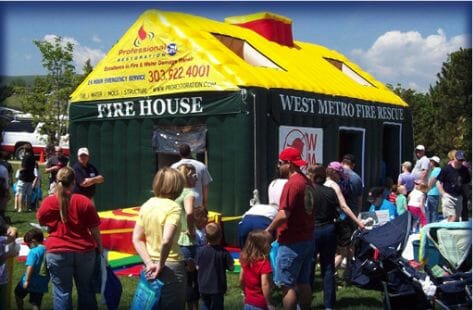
{"points": [[349, 72], [245, 51]]}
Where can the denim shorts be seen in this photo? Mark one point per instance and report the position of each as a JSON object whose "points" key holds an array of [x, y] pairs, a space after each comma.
{"points": [[251, 307], [293, 263]]}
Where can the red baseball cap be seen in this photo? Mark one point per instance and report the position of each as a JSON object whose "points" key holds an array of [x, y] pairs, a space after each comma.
{"points": [[292, 155]]}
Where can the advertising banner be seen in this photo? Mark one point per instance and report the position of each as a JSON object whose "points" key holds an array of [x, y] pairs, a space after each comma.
{"points": [[309, 141], [149, 60], [167, 106]]}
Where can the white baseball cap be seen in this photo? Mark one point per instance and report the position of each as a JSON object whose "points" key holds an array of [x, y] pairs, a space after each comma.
{"points": [[83, 150], [436, 159], [420, 147]]}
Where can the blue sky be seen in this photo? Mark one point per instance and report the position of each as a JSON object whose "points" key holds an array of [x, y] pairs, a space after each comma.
{"points": [[397, 42]]}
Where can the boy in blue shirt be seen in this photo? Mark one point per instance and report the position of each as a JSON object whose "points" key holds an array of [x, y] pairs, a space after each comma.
{"points": [[33, 282]]}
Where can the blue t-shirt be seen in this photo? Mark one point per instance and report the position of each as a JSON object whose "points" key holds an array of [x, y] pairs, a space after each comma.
{"points": [[434, 174], [386, 205], [38, 283]]}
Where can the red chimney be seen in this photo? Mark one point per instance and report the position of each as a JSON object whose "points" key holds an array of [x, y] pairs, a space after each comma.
{"points": [[273, 27]]}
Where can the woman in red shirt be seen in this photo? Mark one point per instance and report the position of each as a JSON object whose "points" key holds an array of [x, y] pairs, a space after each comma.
{"points": [[256, 274], [73, 242]]}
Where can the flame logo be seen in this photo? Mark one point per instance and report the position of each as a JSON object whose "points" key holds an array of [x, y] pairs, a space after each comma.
{"points": [[143, 35]]}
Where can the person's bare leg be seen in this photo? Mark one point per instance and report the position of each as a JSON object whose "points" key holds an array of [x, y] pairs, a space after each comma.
{"points": [[289, 298], [16, 202], [20, 203]]}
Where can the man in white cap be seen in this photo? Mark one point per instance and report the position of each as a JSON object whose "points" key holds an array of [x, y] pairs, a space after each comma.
{"points": [[422, 166], [433, 195], [86, 175]]}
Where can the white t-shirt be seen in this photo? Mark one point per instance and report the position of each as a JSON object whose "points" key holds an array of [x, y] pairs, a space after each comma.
{"points": [[415, 198], [422, 163], [275, 191], [268, 211], [203, 176]]}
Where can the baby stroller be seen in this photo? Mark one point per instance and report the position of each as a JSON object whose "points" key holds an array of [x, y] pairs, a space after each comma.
{"points": [[378, 265], [453, 278]]}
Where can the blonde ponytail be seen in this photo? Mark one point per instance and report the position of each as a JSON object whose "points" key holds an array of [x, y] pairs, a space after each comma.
{"points": [[65, 181]]}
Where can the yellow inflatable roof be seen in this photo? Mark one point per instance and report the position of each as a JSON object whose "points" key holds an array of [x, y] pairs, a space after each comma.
{"points": [[168, 52]]}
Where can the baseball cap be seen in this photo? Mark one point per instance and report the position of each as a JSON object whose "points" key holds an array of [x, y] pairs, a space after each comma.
{"points": [[460, 155], [420, 147], [335, 165], [435, 159], [292, 155], [374, 193], [83, 150]]}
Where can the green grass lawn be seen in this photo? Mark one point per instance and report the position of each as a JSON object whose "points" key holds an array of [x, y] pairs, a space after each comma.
{"points": [[348, 297]]}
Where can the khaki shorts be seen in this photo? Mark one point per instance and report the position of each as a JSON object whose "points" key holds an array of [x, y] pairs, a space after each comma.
{"points": [[452, 205]]}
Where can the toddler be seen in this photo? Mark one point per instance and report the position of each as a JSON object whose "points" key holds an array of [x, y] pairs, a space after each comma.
{"points": [[415, 202], [33, 282], [401, 200], [256, 273], [392, 194], [201, 219], [212, 261]]}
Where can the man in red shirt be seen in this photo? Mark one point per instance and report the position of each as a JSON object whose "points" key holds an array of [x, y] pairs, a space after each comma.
{"points": [[295, 225]]}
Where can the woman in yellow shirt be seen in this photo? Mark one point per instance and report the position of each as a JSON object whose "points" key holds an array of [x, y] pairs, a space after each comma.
{"points": [[155, 238]]}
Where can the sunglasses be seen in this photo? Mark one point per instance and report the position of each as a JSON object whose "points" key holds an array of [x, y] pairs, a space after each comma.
{"points": [[282, 162]]}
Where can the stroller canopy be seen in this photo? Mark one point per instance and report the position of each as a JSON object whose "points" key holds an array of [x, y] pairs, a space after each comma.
{"points": [[391, 237], [452, 239]]}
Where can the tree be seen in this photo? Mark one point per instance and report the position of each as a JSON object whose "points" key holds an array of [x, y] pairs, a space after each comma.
{"points": [[451, 99], [86, 69], [47, 99], [5, 92], [422, 112]]}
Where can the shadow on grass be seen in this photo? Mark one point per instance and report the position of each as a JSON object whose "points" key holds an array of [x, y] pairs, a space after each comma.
{"points": [[360, 302]]}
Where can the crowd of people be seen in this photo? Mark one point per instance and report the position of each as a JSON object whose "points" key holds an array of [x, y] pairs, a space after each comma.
{"points": [[310, 218], [318, 212], [74, 244]]}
